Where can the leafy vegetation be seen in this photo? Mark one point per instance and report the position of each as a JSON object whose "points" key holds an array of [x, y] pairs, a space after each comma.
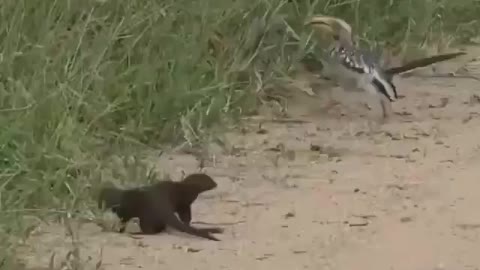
{"points": [[83, 83]]}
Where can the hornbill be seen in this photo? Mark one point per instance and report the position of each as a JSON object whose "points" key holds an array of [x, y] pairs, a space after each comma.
{"points": [[355, 69]]}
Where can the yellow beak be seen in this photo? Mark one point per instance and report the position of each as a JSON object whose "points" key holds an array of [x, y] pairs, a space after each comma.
{"points": [[333, 26], [327, 20], [322, 23]]}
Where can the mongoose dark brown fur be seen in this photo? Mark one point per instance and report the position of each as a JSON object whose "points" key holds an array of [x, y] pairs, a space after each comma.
{"points": [[156, 205]]}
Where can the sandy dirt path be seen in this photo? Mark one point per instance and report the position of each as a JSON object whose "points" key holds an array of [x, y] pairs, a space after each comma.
{"points": [[405, 198]]}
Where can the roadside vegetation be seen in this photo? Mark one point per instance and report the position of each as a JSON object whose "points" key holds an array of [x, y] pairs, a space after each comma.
{"points": [[88, 87]]}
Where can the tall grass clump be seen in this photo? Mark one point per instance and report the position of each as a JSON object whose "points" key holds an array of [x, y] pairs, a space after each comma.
{"points": [[84, 81]]}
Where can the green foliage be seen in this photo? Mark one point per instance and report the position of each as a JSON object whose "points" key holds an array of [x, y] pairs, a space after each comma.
{"points": [[82, 81]]}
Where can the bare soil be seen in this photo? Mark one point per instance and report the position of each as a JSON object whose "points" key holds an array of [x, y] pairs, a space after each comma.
{"points": [[324, 193]]}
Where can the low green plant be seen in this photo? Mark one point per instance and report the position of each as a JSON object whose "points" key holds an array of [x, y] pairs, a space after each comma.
{"points": [[82, 82]]}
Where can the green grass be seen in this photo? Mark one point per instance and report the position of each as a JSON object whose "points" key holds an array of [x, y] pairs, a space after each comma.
{"points": [[83, 83]]}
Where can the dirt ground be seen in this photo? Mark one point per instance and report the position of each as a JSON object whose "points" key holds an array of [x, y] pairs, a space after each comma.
{"points": [[325, 194]]}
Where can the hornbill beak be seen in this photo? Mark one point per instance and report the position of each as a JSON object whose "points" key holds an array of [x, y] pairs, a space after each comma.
{"points": [[338, 28], [322, 23]]}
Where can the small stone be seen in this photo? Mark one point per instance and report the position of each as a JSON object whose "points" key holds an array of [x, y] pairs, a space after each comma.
{"points": [[406, 219]]}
